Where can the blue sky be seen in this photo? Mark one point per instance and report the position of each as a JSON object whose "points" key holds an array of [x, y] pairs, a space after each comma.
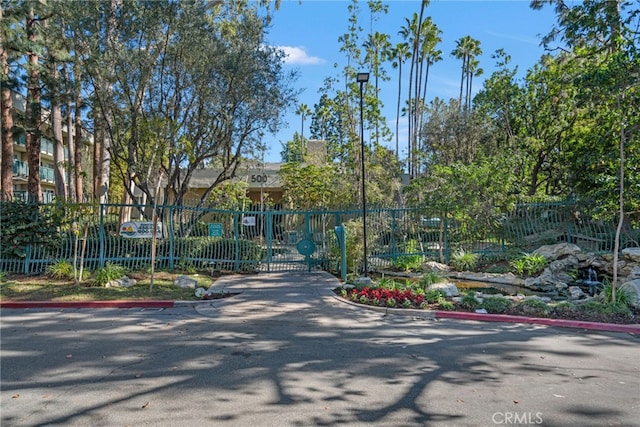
{"points": [[308, 32]]}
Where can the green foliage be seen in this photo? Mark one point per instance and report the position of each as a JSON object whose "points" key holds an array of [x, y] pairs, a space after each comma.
{"points": [[109, 272], [532, 307], [434, 296], [464, 261], [565, 309], [61, 269], [496, 304], [623, 295], [409, 262], [25, 224], [605, 310], [469, 301], [429, 278], [529, 264], [3, 276], [309, 186], [445, 305]]}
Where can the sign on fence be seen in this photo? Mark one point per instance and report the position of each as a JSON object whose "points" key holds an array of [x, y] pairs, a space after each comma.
{"points": [[215, 229], [140, 229]]}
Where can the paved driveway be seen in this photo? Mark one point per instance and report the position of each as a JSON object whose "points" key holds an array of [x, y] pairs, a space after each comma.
{"points": [[284, 352]]}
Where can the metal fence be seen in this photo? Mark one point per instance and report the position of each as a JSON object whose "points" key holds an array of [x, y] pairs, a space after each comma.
{"points": [[276, 240]]}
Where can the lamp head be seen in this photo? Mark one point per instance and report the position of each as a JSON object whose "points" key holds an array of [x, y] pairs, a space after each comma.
{"points": [[362, 77]]}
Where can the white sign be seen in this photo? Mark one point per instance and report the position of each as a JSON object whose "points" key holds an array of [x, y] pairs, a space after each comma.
{"points": [[140, 229], [249, 221]]}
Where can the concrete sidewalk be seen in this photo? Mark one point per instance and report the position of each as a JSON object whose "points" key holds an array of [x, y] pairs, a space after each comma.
{"points": [[282, 291]]}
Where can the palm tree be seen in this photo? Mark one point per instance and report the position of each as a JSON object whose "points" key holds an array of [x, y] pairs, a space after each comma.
{"points": [[408, 33], [303, 111], [399, 54], [467, 49]]}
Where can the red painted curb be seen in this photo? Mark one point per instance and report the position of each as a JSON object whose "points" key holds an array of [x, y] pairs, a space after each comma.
{"points": [[610, 327], [88, 304]]}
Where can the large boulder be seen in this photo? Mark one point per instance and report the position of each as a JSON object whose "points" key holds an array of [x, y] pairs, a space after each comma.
{"points": [[553, 283], [565, 264], [633, 288], [631, 254], [553, 252]]}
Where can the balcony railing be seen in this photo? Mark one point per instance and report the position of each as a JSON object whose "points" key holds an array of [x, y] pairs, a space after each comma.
{"points": [[46, 174], [20, 168], [46, 146]]}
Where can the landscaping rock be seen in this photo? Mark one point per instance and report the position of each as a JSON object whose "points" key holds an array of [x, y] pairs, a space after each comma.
{"points": [[631, 254], [553, 252], [436, 266], [185, 282], [561, 265], [633, 287], [449, 289], [123, 282], [575, 293]]}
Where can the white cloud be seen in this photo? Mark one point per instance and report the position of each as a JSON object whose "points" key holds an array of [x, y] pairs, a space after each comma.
{"points": [[297, 55]]}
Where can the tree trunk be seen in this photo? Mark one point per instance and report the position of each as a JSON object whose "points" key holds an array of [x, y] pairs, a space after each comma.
{"points": [[98, 137], [71, 158], [6, 106], [77, 153], [58, 149], [7, 139], [33, 109]]}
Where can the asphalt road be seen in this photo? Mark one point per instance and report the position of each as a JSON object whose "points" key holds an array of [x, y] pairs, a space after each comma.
{"points": [[284, 352]]}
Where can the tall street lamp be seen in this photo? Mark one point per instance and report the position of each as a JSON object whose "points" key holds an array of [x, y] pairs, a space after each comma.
{"points": [[362, 78]]}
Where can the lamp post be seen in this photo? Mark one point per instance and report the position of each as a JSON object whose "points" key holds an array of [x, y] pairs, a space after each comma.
{"points": [[362, 78]]}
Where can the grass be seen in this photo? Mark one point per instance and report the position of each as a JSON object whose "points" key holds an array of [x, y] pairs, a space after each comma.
{"points": [[42, 289]]}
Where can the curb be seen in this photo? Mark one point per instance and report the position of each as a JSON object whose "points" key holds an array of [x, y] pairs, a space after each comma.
{"points": [[437, 314], [577, 324], [88, 304], [633, 328]]}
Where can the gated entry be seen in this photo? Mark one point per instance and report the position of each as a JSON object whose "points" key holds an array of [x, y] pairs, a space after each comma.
{"points": [[293, 240]]}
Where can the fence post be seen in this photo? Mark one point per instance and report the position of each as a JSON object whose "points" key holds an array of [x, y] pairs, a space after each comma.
{"points": [[27, 259], [236, 233], [445, 243], [393, 245], [171, 238], [269, 237], [101, 236]]}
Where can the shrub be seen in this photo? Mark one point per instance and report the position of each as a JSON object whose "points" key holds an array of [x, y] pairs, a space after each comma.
{"points": [[25, 224], [433, 296], [464, 261], [529, 264], [565, 309], [109, 272], [606, 310], [532, 307], [391, 302], [623, 295], [497, 304], [429, 279], [60, 270], [469, 301], [409, 262], [445, 305]]}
